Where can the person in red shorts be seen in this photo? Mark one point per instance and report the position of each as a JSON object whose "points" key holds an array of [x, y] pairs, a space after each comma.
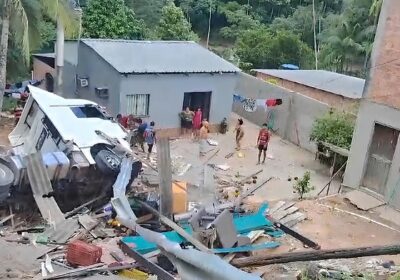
{"points": [[262, 142]]}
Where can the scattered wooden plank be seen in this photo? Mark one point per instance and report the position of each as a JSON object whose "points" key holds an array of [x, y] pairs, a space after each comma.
{"points": [[282, 214], [317, 255], [291, 217], [9, 217], [153, 268], [298, 236], [292, 223], [277, 206]]}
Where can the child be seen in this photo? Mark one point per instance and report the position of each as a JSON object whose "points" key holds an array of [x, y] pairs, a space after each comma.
{"points": [[150, 138]]}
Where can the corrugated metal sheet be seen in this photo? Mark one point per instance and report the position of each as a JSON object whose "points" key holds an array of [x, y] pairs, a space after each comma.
{"points": [[129, 56], [41, 185], [339, 84]]}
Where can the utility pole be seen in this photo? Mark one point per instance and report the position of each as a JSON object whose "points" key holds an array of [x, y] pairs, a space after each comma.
{"points": [[209, 24], [59, 55], [315, 35]]}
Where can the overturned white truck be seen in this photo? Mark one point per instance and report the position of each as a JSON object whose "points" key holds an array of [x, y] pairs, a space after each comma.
{"points": [[81, 146]]}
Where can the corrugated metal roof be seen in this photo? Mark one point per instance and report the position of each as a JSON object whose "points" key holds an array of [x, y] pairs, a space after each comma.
{"points": [[347, 86], [41, 185], [129, 56]]}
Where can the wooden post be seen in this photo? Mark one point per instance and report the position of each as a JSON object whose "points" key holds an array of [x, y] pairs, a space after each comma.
{"points": [[317, 255], [165, 175]]}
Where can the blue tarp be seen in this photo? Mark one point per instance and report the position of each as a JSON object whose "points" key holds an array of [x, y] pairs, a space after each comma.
{"points": [[243, 224]]}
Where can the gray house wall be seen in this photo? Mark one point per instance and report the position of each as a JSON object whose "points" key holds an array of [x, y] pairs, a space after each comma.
{"points": [[373, 113], [167, 94], [293, 119], [99, 73]]}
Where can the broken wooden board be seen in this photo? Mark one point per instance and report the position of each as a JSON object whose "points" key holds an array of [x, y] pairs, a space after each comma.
{"points": [[301, 217], [291, 217], [62, 231], [363, 200], [282, 214], [90, 223], [281, 206]]}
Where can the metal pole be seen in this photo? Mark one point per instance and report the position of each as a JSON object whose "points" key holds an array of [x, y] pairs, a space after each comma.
{"points": [[59, 55], [315, 35], [165, 176], [209, 25]]}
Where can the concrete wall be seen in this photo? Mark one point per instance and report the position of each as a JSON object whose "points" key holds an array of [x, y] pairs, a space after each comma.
{"points": [[293, 119], [167, 94], [369, 114], [99, 73], [333, 100]]}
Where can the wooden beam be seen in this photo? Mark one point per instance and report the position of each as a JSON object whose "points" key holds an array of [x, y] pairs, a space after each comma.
{"points": [[317, 255], [165, 175]]}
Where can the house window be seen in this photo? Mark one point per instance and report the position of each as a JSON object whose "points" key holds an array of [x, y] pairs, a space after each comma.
{"points": [[138, 104]]}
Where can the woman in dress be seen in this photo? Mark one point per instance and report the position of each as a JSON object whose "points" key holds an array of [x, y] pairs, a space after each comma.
{"points": [[198, 116]]}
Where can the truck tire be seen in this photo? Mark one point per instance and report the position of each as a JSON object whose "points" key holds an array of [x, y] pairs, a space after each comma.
{"points": [[107, 162], [6, 180]]}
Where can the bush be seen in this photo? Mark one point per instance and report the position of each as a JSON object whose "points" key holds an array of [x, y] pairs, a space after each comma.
{"points": [[335, 128], [303, 186]]}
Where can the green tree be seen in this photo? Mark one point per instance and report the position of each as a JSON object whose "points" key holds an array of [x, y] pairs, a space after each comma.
{"points": [[147, 10], [239, 20], [261, 48], [300, 22], [173, 25], [346, 39], [111, 19], [20, 27]]}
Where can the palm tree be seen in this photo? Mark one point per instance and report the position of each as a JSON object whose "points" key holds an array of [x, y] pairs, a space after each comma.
{"points": [[24, 26]]}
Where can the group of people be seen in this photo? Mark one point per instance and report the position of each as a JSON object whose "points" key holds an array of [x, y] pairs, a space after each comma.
{"points": [[191, 122], [140, 132], [263, 139]]}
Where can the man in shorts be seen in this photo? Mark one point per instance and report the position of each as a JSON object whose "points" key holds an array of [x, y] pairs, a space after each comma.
{"points": [[262, 142]]}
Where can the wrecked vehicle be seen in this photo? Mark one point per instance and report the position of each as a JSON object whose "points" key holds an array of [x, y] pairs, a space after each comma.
{"points": [[81, 146]]}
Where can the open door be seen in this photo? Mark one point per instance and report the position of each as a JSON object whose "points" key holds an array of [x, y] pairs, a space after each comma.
{"points": [[195, 100]]}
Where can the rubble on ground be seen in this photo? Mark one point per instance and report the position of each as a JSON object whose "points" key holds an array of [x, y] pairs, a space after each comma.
{"points": [[128, 237]]}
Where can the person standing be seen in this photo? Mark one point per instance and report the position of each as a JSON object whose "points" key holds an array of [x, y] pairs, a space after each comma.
{"points": [[150, 138], [203, 135], [187, 119], [262, 142], [122, 120], [198, 116], [140, 133], [239, 134]]}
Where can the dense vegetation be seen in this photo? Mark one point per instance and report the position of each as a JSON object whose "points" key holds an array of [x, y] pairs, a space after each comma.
{"points": [[250, 33]]}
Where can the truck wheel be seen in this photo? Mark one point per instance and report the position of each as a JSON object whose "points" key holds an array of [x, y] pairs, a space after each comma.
{"points": [[107, 162], [6, 180]]}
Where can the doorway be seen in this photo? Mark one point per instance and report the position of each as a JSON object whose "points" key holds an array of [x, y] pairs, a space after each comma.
{"points": [[195, 100], [380, 156]]}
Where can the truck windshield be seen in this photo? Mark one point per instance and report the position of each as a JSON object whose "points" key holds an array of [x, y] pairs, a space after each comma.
{"points": [[87, 112]]}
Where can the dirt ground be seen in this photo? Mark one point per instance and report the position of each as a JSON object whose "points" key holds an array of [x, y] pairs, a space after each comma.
{"points": [[326, 226]]}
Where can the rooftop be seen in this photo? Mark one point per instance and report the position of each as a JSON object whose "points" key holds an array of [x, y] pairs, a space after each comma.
{"points": [[130, 56], [347, 86]]}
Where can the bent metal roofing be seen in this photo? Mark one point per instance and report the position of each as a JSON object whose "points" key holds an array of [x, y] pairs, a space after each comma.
{"points": [[142, 57]]}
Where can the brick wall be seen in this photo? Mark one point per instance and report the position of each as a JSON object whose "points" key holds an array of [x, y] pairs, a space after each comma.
{"points": [[333, 100], [384, 77]]}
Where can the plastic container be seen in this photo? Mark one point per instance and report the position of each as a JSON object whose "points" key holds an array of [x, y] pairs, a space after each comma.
{"points": [[80, 253]]}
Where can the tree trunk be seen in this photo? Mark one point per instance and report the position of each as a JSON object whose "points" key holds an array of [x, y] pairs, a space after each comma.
{"points": [[317, 255], [4, 49]]}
